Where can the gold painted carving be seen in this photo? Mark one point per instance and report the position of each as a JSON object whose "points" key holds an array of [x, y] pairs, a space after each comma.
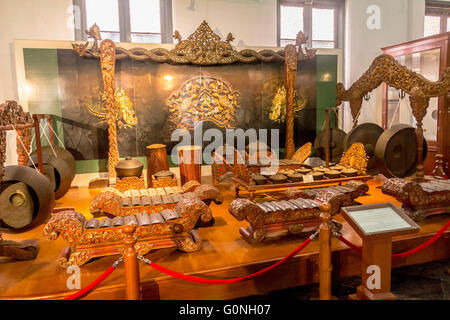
{"points": [[303, 153], [203, 98], [203, 47], [278, 109], [108, 65], [125, 114], [355, 157]]}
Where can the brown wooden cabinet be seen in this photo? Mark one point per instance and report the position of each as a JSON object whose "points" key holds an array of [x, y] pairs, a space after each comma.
{"points": [[429, 57]]}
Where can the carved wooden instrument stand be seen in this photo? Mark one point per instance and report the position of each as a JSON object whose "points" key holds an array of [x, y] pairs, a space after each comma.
{"points": [[12, 117], [297, 215], [420, 199], [94, 238], [112, 203], [385, 68]]}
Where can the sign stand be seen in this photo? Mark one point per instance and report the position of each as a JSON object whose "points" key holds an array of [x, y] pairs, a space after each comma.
{"points": [[376, 224]]}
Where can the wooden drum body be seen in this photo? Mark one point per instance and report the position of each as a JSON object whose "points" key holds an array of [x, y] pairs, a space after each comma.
{"points": [[156, 161], [190, 163]]}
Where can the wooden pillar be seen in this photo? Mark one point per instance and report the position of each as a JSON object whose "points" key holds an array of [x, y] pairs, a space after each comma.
{"points": [[190, 163], [327, 137], [50, 131], [132, 281], [156, 161], [325, 266], [290, 74], [419, 105], [37, 134], [419, 137], [108, 65]]}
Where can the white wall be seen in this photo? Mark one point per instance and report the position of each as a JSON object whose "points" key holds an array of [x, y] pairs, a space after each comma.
{"points": [[28, 19], [400, 21], [252, 22]]}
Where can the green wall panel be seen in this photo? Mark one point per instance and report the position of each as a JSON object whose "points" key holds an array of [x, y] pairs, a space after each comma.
{"points": [[326, 88], [43, 92]]}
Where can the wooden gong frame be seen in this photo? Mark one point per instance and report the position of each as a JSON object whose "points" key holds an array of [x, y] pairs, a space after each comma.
{"points": [[385, 69]]}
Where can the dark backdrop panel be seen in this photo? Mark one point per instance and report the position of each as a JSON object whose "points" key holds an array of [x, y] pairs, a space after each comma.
{"points": [[149, 85]]}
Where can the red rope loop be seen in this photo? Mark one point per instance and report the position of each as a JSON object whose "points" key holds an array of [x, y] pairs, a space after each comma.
{"points": [[89, 288], [232, 280], [406, 253]]}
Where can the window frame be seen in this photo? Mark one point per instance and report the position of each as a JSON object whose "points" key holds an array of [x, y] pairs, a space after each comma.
{"points": [[438, 9], [165, 7], [337, 5]]}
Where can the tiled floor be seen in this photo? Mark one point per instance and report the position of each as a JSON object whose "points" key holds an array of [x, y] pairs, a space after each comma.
{"points": [[429, 281]]}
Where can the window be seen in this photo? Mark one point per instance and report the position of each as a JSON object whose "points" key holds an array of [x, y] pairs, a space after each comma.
{"points": [[292, 24], [437, 19], [142, 21], [105, 13], [432, 25], [321, 20], [145, 21], [323, 28]]}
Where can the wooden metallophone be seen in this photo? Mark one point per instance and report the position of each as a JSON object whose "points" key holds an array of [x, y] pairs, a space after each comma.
{"points": [[340, 196], [112, 203], [420, 199], [298, 213], [98, 238]]}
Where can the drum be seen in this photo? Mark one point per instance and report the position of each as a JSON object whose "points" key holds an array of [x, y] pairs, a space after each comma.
{"points": [[190, 163]]}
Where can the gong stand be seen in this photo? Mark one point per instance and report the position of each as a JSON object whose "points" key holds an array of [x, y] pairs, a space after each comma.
{"points": [[12, 117], [385, 68], [203, 48]]}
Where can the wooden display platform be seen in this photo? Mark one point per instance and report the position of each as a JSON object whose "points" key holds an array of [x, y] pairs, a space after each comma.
{"points": [[252, 189], [224, 254]]}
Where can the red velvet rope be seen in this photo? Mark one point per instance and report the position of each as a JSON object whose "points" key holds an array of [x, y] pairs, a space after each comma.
{"points": [[409, 252], [232, 280], [351, 245], [91, 287]]}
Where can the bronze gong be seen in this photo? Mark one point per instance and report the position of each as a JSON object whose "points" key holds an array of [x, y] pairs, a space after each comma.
{"points": [[368, 135], [64, 166], [19, 214], [396, 151], [16, 206], [337, 137]]}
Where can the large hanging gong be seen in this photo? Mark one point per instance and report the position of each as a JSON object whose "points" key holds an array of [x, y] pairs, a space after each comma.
{"points": [[27, 198], [396, 151], [337, 137], [367, 134], [64, 167]]}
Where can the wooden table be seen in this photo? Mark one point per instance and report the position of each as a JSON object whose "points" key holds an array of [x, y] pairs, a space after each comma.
{"points": [[224, 254], [270, 187]]}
